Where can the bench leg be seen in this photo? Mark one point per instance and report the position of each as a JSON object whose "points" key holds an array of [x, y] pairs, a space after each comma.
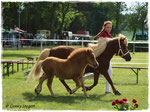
{"points": [[137, 73], [27, 65], [22, 66], [7, 69], [12, 68], [3, 68], [17, 67]]}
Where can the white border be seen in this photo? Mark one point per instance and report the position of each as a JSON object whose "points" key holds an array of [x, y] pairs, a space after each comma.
{"points": [[69, 1]]}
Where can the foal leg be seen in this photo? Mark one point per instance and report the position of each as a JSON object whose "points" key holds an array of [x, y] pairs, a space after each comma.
{"points": [[106, 75], [66, 86], [38, 88], [83, 87], [78, 85], [49, 84]]}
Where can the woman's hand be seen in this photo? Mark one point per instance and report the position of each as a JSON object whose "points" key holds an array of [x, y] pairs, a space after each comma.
{"points": [[90, 37]]}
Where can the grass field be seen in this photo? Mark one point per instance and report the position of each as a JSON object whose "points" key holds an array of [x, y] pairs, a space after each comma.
{"points": [[18, 95]]}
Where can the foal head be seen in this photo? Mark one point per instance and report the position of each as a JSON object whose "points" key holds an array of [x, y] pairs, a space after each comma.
{"points": [[122, 49], [91, 58]]}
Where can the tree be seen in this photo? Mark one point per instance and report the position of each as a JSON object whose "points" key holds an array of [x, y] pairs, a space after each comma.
{"points": [[132, 25], [10, 14], [67, 14], [83, 15], [98, 17], [136, 20], [115, 10], [142, 10]]}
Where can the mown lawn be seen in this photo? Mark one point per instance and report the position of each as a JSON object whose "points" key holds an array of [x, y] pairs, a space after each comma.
{"points": [[17, 94]]}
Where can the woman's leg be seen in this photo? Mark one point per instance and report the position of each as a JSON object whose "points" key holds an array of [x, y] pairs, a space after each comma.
{"points": [[107, 83], [91, 75]]}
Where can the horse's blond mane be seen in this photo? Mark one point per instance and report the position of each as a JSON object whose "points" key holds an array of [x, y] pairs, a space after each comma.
{"points": [[102, 43], [100, 46], [121, 37]]}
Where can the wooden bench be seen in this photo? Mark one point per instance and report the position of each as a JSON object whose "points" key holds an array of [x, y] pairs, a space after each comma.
{"points": [[134, 69], [17, 61], [10, 63], [7, 64], [31, 59]]}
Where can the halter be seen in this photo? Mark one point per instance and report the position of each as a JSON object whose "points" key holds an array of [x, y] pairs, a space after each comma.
{"points": [[120, 50]]}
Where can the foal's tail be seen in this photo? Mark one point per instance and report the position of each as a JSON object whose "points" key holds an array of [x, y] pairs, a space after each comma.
{"points": [[44, 54]]}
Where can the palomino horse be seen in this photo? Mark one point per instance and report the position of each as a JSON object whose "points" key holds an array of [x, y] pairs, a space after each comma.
{"points": [[114, 46], [71, 68]]}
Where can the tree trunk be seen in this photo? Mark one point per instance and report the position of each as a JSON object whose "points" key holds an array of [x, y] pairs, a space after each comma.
{"points": [[134, 32], [142, 31], [64, 11], [117, 17], [52, 21]]}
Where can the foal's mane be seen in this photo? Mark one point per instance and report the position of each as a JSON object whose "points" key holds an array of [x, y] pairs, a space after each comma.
{"points": [[78, 52], [102, 44]]}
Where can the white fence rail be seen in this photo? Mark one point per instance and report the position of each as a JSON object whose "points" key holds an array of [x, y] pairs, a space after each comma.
{"points": [[68, 42]]}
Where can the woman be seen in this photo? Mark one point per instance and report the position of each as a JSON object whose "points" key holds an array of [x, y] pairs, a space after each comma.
{"points": [[104, 33]]}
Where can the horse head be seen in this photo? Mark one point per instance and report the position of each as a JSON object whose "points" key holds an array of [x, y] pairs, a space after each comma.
{"points": [[122, 50], [91, 58]]}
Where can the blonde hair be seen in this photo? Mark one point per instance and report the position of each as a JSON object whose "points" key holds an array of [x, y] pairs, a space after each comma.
{"points": [[103, 27], [105, 23]]}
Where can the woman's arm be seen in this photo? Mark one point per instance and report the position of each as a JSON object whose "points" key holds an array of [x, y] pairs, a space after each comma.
{"points": [[92, 37]]}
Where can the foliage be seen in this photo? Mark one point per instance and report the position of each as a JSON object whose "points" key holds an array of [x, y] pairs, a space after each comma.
{"points": [[139, 14], [71, 16]]}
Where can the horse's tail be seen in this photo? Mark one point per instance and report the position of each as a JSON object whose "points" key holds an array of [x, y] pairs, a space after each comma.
{"points": [[44, 54], [36, 72]]}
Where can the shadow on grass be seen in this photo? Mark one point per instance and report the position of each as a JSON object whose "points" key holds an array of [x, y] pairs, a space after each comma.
{"points": [[61, 99]]}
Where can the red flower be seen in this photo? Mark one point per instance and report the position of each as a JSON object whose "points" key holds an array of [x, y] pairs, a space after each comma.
{"points": [[114, 103], [136, 105], [117, 101], [121, 101], [124, 99], [134, 100]]}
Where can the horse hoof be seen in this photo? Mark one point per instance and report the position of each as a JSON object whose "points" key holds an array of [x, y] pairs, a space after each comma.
{"points": [[71, 92], [117, 93], [87, 88], [37, 92]]}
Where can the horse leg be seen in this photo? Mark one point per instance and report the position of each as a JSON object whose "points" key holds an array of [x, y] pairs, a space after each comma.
{"points": [[49, 84], [96, 76], [38, 88], [66, 86], [106, 75], [83, 87]]}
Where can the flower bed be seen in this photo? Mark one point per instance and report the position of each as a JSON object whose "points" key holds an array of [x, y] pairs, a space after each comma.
{"points": [[124, 104]]}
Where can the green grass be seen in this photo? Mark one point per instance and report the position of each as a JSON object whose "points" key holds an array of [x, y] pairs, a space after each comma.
{"points": [[18, 95]]}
